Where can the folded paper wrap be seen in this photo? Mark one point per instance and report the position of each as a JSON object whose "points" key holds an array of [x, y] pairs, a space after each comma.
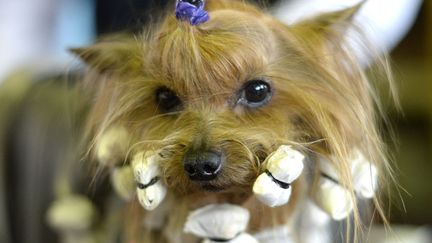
{"points": [[220, 223], [150, 189], [112, 146], [122, 179], [242, 238], [284, 166], [333, 197], [365, 176], [73, 217], [72, 213]]}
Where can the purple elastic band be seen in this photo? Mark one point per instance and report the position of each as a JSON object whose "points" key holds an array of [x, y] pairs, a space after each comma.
{"points": [[192, 11]]}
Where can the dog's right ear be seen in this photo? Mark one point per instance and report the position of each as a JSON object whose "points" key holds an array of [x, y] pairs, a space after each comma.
{"points": [[338, 21], [239, 5], [111, 56]]}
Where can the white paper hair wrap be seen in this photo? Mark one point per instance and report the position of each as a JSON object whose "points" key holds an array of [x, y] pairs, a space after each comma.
{"points": [[150, 189], [242, 238], [365, 176], [123, 182], [111, 148], [333, 198], [220, 222], [73, 217], [283, 167]]}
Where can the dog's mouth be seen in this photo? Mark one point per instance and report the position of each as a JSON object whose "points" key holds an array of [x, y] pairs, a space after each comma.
{"points": [[220, 186], [209, 193], [211, 187]]}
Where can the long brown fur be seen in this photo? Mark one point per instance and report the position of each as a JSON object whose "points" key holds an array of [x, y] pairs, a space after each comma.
{"points": [[323, 103]]}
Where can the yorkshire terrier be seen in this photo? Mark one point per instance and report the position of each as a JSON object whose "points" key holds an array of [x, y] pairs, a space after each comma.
{"points": [[193, 111]]}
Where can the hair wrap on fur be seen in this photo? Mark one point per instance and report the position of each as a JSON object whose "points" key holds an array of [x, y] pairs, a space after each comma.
{"points": [[192, 11]]}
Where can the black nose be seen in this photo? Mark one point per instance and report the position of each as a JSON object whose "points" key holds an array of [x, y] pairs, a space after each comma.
{"points": [[202, 165]]}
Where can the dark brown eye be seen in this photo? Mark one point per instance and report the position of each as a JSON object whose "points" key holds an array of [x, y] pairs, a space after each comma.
{"points": [[255, 93], [167, 100]]}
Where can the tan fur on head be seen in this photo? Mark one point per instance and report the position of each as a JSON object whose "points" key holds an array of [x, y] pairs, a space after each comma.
{"points": [[323, 101]]}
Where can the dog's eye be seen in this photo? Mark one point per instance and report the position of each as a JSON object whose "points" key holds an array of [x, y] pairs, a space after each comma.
{"points": [[167, 100], [255, 93]]}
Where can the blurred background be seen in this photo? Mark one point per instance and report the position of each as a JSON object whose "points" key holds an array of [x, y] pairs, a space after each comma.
{"points": [[36, 34], [412, 61]]}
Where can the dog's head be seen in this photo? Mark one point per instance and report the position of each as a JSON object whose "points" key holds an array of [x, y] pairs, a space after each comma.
{"points": [[216, 99]]}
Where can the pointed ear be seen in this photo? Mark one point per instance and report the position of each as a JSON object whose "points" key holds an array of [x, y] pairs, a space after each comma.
{"points": [[337, 20], [239, 5], [111, 56]]}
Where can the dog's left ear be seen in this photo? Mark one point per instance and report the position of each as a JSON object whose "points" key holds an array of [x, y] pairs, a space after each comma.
{"points": [[111, 56]]}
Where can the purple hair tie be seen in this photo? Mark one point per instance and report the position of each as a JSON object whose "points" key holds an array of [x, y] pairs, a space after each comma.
{"points": [[192, 11]]}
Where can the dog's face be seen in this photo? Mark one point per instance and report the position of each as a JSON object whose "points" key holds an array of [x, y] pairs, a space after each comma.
{"points": [[217, 99], [219, 109]]}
